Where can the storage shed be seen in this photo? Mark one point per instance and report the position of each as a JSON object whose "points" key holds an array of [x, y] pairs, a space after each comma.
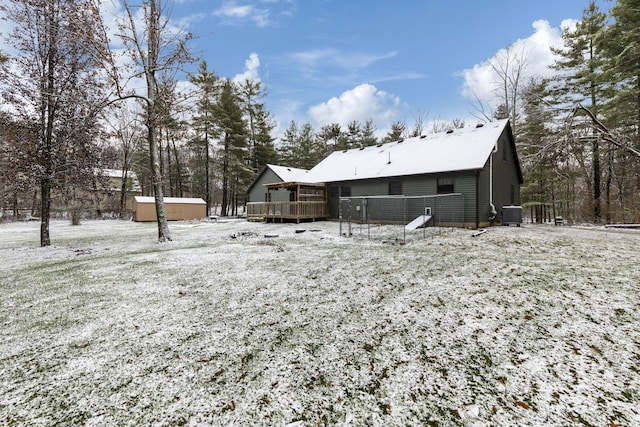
{"points": [[177, 208]]}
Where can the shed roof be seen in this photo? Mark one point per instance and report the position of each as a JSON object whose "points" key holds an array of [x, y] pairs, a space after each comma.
{"points": [[457, 150], [184, 200], [115, 173]]}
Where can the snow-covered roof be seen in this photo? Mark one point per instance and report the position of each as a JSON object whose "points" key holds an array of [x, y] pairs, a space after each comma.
{"points": [[288, 174], [184, 200], [115, 173], [457, 150]]}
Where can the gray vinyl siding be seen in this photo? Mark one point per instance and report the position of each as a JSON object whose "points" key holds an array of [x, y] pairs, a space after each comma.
{"points": [[422, 185], [465, 183], [257, 192], [505, 176], [484, 204]]}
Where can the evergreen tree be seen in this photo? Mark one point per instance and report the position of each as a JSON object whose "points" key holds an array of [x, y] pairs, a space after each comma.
{"points": [[308, 148], [287, 151], [367, 136], [538, 155], [265, 149], [622, 113], [580, 65], [623, 49], [203, 123], [354, 134], [396, 132], [259, 124], [332, 138], [301, 147], [234, 164]]}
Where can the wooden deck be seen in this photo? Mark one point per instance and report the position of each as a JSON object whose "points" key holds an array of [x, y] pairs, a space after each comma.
{"points": [[286, 211]]}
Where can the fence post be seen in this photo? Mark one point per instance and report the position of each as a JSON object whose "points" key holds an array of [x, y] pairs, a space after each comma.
{"points": [[340, 215]]}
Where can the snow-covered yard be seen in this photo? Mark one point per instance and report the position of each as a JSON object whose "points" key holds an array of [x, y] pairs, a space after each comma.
{"points": [[535, 325]]}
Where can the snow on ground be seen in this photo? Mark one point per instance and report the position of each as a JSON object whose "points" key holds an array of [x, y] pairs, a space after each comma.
{"points": [[223, 326]]}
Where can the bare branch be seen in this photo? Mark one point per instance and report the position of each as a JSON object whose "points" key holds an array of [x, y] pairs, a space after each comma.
{"points": [[606, 134]]}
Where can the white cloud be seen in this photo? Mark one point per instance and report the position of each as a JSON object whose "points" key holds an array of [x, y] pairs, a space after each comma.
{"points": [[360, 103], [251, 68], [6, 28], [480, 80], [233, 13], [311, 59]]}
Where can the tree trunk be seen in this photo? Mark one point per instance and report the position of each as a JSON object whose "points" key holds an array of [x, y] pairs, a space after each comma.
{"points": [[45, 210], [225, 180], [178, 169], [597, 192], [152, 121], [156, 182], [123, 192], [206, 169]]}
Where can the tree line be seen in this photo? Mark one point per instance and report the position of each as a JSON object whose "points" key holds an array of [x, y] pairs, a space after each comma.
{"points": [[578, 133], [72, 112]]}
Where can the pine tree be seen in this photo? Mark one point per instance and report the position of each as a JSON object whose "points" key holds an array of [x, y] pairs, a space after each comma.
{"points": [[538, 154], [234, 147], [580, 65], [354, 134], [396, 132], [368, 136], [308, 148], [287, 152], [265, 149], [203, 123], [623, 111], [259, 124], [623, 49], [332, 138]]}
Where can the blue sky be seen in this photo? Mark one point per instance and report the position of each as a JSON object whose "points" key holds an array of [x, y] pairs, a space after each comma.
{"points": [[325, 61], [338, 60]]}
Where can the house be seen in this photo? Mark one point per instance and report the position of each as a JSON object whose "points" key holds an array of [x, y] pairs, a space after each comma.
{"points": [[281, 192], [176, 208], [470, 172], [109, 198]]}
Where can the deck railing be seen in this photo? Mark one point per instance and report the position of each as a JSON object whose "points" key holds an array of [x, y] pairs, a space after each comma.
{"points": [[257, 211]]}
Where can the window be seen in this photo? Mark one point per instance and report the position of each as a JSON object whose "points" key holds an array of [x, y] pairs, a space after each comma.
{"points": [[395, 188], [333, 192], [345, 191], [445, 185]]}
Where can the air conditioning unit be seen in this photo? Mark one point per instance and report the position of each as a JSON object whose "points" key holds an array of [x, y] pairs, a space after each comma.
{"points": [[512, 215]]}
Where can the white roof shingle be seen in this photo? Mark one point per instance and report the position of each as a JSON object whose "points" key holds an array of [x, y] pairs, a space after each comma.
{"points": [[288, 174], [462, 149]]}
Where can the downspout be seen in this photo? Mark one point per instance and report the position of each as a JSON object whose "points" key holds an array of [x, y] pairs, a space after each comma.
{"points": [[477, 199], [493, 212]]}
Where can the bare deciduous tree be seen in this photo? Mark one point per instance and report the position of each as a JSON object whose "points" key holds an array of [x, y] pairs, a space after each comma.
{"points": [[509, 69], [55, 82], [154, 48]]}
